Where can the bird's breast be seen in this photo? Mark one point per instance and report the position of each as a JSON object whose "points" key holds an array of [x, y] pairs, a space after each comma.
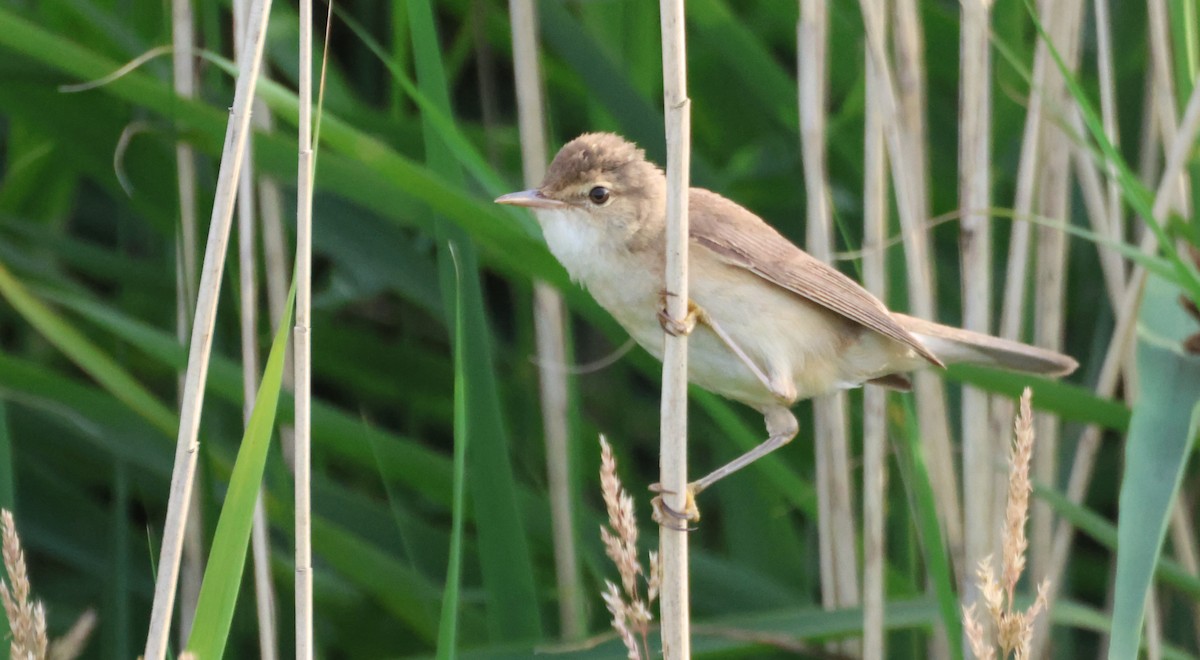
{"points": [[625, 282]]}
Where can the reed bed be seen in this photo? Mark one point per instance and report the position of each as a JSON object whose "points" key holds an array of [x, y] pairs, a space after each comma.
{"points": [[1020, 170]]}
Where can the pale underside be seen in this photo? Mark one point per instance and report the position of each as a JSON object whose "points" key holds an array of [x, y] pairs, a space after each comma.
{"points": [[803, 348]]}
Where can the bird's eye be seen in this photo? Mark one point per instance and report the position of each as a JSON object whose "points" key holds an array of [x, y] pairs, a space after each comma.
{"points": [[599, 195]]}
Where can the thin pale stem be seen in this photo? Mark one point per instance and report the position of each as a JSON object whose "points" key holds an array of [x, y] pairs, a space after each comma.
{"points": [[839, 568], [183, 38], [187, 446], [1088, 447], [903, 96], [1051, 267], [302, 342], [260, 548], [875, 213], [1091, 187], [1108, 113], [277, 268], [975, 246], [549, 330], [674, 605]]}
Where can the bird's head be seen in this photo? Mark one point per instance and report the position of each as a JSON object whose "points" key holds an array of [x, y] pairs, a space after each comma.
{"points": [[601, 179]]}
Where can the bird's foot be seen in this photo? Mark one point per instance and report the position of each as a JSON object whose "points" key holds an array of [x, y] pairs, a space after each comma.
{"points": [[667, 516], [679, 328]]}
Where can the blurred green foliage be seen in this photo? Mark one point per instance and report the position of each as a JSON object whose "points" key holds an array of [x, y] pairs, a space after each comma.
{"points": [[406, 167]]}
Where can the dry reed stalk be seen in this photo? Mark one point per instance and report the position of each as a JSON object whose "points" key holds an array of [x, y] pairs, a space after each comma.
{"points": [[302, 343], [549, 318], [1164, 84], [673, 453], [1017, 268], [1108, 115], [1153, 627], [839, 570], [875, 215], [187, 446], [903, 96], [1016, 281], [184, 81], [1112, 263], [278, 270], [975, 247], [1110, 371], [1050, 278], [248, 289]]}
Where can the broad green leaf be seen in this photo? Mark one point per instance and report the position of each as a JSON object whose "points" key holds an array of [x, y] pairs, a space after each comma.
{"points": [[1070, 402], [504, 554], [85, 354], [1161, 435], [448, 628], [227, 558]]}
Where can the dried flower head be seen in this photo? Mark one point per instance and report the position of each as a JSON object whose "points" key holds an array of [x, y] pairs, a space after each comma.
{"points": [[973, 628], [26, 619], [1011, 630], [631, 613]]}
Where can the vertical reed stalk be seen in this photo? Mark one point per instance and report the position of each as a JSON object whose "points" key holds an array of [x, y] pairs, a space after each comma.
{"points": [[1164, 84], [1016, 280], [673, 459], [1108, 114], [1153, 626], [1089, 442], [187, 447], [903, 96], [277, 266], [302, 341], [875, 214], [548, 327], [1050, 283], [182, 60], [975, 244], [248, 288], [1112, 263], [839, 577]]}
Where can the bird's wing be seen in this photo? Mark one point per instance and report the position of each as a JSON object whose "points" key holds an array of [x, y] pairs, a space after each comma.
{"points": [[743, 239]]}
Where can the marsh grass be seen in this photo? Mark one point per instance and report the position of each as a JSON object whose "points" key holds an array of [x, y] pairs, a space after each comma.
{"points": [[89, 322]]}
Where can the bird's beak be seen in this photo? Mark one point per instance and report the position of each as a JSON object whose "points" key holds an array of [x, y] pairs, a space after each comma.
{"points": [[530, 198]]}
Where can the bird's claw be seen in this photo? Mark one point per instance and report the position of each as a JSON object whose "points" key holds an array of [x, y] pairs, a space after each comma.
{"points": [[669, 517], [679, 328]]}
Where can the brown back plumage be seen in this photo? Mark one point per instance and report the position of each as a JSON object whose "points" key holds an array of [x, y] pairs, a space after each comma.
{"points": [[752, 244]]}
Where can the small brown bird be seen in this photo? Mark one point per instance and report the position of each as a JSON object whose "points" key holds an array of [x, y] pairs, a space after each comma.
{"points": [[770, 324]]}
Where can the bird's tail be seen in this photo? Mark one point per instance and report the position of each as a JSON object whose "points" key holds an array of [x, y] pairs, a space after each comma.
{"points": [[954, 345]]}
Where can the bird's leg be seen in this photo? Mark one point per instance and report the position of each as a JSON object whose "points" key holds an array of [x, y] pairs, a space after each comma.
{"points": [[704, 318], [782, 427], [697, 314]]}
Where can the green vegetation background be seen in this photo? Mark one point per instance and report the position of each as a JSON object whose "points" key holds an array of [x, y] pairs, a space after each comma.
{"points": [[88, 472]]}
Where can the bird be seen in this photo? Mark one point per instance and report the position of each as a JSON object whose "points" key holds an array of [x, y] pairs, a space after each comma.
{"points": [[769, 325]]}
